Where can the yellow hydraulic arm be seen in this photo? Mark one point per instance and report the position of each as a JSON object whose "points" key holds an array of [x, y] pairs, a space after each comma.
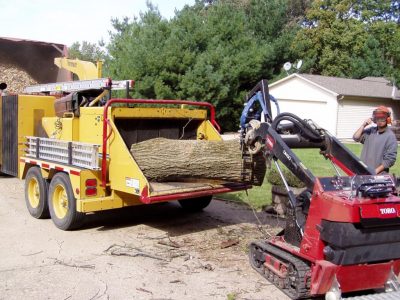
{"points": [[85, 70]]}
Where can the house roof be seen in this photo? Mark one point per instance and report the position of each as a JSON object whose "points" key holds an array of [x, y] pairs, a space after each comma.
{"points": [[372, 87], [378, 87]]}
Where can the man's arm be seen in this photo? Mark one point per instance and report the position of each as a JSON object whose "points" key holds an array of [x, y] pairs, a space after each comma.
{"points": [[390, 153], [359, 132]]}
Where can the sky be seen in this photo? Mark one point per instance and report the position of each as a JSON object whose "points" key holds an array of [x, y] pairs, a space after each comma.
{"points": [[66, 22]]}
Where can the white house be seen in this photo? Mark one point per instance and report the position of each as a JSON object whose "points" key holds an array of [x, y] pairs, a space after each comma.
{"points": [[339, 105]]}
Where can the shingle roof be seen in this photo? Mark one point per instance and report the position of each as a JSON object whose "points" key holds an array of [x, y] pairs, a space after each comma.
{"points": [[378, 87]]}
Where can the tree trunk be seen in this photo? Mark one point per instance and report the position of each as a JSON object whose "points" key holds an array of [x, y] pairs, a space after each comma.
{"points": [[175, 160]]}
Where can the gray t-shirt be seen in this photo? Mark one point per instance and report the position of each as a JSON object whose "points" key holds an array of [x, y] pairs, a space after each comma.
{"points": [[379, 148]]}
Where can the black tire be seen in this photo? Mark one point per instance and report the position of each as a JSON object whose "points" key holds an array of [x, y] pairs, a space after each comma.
{"points": [[62, 203], [195, 204], [36, 194]]}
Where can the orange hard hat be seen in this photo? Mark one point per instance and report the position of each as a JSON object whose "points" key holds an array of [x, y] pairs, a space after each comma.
{"points": [[382, 111]]}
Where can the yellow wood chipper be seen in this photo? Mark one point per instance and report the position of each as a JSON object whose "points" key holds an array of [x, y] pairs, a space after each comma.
{"points": [[70, 142]]}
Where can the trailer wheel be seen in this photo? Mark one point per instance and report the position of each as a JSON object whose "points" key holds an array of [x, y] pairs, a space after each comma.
{"points": [[36, 191], [195, 204], [62, 203]]}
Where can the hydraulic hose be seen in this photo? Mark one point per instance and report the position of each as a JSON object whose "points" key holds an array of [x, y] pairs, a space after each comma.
{"points": [[307, 131]]}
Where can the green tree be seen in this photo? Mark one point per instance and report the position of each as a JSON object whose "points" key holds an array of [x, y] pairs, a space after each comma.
{"points": [[212, 51], [87, 51], [394, 52], [137, 51], [350, 38], [329, 38], [370, 62]]}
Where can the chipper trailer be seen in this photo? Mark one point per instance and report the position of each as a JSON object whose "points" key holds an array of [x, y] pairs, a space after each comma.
{"points": [[342, 234], [70, 142]]}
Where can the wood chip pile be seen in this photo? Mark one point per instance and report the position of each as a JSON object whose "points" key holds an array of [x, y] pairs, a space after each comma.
{"points": [[16, 78]]}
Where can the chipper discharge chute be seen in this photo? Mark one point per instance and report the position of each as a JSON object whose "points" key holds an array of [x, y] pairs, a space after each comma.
{"points": [[25, 62]]}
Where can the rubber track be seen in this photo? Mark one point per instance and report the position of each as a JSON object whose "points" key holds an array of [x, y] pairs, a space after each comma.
{"points": [[302, 291]]}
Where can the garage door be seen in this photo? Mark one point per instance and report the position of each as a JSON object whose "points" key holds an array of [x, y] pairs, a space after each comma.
{"points": [[351, 114], [316, 111]]}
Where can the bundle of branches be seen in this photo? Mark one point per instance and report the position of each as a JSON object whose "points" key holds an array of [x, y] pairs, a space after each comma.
{"points": [[16, 78], [163, 159], [274, 178]]}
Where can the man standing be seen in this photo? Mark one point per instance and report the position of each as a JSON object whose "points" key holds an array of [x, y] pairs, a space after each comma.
{"points": [[380, 144]]}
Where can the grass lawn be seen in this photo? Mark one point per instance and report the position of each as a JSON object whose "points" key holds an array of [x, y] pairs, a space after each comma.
{"points": [[319, 166]]}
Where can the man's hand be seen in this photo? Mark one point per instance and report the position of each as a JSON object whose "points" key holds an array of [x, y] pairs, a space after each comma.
{"points": [[357, 135], [367, 122], [379, 169]]}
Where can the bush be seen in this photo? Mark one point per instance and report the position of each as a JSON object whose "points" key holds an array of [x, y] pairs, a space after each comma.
{"points": [[274, 178]]}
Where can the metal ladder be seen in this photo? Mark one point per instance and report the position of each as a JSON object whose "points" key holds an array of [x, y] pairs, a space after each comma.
{"points": [[71, 86]]}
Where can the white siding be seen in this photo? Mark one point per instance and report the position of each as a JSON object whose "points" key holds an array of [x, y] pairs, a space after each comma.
{"points": [[306, 100], [352, 113]]}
